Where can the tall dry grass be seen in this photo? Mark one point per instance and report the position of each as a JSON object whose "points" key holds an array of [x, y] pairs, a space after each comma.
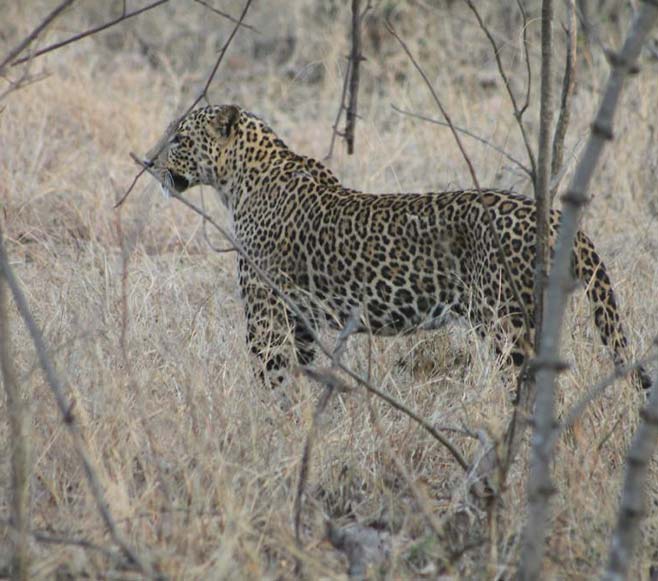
{"points": [[199, 463]]}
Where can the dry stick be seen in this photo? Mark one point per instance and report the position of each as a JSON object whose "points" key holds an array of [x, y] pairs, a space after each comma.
{"points": [[355, 60], [341, 108], [568, 84], [331, 383], [34, 34], [518, 111], [124, 16], [66, 409], [262, 275], [19, 425], [202, 94], [549, 365], [468, 133], [227, 16], [542, 205], [632, 506]]}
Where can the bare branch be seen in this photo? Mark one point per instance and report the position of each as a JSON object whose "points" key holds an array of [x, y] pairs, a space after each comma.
{"points": [[542, 205], [66, 410], [34, 34], [203, 94], [355, 60], [226, 15], [559, 286], [19, 426], [526, 57], [468, 133], [294, 308], [632, 505], [539, 477], [90, 32], [518, 112], [568, 84], [341, 108]]}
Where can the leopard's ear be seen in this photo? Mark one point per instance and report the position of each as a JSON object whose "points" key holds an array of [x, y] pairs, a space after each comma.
{"points": [[224, 121]]}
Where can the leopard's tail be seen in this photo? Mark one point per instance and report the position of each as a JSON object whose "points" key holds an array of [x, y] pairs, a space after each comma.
{"points": [[591, 271]]}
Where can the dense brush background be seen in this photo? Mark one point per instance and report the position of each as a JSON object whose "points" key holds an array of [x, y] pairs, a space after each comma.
{"points": [[198, 461]]}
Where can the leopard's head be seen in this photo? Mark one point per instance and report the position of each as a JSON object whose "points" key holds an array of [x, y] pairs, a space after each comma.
{"points": [[197, 151]]}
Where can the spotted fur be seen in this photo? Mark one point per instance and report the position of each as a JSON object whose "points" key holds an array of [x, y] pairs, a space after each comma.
{"points": [[406, 261]]}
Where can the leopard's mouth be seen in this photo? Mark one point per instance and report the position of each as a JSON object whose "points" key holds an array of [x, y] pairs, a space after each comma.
{"points": [[180, 183]]}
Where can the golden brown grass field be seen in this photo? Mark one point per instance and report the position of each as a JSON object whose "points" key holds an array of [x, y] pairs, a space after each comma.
{"points": [[198, 461]]}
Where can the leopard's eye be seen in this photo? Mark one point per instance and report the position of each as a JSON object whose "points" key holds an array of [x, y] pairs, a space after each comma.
{"points": [[175, 140]]}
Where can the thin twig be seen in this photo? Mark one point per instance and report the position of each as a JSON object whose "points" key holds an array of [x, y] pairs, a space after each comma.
{"points": [[66, 410], [34, 34], [568, 84], [559, 283], [201, 95], [468, 133], [294, 308], [518, 112], [226, 15], [76, 37]]}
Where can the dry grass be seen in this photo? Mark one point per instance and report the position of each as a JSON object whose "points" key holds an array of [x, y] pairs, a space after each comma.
{"points": [[198, 462]]}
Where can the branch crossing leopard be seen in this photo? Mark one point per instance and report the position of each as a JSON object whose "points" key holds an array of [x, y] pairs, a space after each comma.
{"points": [[406, 261]]}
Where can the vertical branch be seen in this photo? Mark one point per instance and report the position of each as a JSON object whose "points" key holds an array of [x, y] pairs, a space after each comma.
{"points": [[542, 206], [631, 508], [68, 418], [355, 61], [559, 285], [19, 424], [568, 83]]}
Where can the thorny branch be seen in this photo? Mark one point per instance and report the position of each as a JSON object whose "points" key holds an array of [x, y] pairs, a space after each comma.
{"points": [[66, 409], [301, 316], [559, 284], [202, 95], [124, 16]]}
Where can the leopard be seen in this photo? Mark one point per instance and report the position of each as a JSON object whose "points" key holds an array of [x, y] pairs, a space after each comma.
{"points": [[398, 263]]}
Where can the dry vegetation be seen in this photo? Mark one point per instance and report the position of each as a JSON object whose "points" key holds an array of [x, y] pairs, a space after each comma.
{"points": [[198, 461]]}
